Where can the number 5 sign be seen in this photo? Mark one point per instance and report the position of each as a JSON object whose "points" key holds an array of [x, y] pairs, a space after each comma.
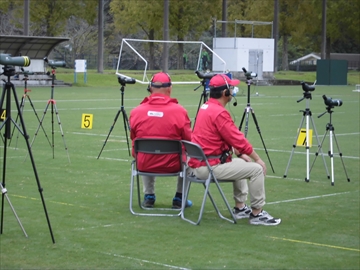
{"points": [[86, 121]]}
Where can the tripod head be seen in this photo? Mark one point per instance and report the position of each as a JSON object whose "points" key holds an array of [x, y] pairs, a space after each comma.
{"points": [[8, 71]]}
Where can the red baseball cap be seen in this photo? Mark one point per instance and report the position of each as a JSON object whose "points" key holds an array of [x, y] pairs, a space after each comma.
{"points": [[161, 79], [220, 80]]}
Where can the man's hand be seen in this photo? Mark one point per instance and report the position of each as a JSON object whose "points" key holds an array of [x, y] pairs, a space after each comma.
{"points": [[246, 158], [262, 163]]}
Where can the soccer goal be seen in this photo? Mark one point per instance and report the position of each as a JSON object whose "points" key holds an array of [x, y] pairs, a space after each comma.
{"points": [[146, 56]]}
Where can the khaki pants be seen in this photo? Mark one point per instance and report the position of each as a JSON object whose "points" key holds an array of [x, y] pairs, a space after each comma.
{"points": [[238, 170], [149, 184]]}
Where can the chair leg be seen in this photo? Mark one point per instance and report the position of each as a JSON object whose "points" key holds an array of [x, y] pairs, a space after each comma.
{"points": [[233, 220]]}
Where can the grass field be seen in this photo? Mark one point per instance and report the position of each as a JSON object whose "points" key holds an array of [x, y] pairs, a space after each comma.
{"points": [[87, 199]]}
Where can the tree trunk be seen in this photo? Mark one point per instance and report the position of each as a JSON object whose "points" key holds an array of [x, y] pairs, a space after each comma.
{"points": [[285, 61]]}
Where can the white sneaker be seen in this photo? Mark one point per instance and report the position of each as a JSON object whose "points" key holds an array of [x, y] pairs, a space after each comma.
{"points": [[243, 213], [263, 218]]}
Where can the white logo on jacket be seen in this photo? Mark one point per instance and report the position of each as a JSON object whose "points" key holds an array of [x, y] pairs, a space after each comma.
{"points": [[155, 114], [204, 106]]}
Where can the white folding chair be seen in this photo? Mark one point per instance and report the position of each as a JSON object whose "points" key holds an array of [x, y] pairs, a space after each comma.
{"points": [[154, 147], [194, 150]]}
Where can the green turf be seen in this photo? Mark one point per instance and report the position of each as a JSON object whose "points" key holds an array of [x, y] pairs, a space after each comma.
{"points": [[87, 199]]}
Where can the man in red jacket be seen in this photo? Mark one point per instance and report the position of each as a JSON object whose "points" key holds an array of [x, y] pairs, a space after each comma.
{"points": [[218, 136], [159, 116]]}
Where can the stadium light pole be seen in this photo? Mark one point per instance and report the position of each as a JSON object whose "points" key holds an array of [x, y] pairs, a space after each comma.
{"points": [[165, 63]]}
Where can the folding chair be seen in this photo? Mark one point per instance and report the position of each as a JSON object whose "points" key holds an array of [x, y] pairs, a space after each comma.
{"points": [[194, 150], [154, 147]]}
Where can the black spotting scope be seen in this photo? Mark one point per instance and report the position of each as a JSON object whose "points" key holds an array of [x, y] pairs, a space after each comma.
{"points": [[21, 61], [204, 75], [307, 87], [332, 102], [249, 74], [53, 63], [126, 80]]}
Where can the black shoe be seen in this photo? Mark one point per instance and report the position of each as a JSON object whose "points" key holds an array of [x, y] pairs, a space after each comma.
{"points": [[149, 201], [177, 203]]}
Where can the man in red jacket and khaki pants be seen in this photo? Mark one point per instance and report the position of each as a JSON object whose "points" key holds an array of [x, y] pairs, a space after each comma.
{"points": [[159, 116], [218, 136]]}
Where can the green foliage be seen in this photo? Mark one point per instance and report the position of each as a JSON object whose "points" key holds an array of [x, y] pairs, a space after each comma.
{"points": [[49, 16]]}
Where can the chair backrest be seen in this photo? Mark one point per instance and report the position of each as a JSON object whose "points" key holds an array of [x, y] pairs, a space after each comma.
{"points": [[158, 146], [193, 150]]}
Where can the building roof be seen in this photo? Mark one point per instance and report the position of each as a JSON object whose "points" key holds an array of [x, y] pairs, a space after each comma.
{"points": [[350, 57], [31, 46]]}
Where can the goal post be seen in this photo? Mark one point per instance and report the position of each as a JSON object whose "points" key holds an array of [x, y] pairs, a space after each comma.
{"points": [[141, 54]]}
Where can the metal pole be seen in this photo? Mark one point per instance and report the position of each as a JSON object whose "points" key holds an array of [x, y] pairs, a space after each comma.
{"points": [[26, 17], [323, 31], [166, 36], [100, 63]]}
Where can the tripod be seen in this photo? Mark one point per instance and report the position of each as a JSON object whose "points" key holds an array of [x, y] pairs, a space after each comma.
{"points": [[52, 101], [22, 105], [123, 82], [203, 97], [7, 89], [306, 115], [245, 117], [330, 128]]}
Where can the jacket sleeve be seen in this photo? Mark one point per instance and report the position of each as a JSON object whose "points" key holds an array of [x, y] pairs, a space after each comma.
{"points": [[186, 132], [231, 134]]}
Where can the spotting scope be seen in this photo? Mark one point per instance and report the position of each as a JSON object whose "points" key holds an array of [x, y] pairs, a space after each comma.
{"points": [[53, 63], [8, 60]]}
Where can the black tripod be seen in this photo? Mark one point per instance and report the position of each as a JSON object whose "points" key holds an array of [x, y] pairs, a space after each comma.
{"points": [[52, 101], [306, 115], [330, 128], [245, 117], [205, 93], [22, 105], [7, 89], [123, 81]]}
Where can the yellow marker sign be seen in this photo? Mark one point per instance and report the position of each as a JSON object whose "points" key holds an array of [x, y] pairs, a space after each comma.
{"points": [[86, 121], [301, 141], [2, 115]]}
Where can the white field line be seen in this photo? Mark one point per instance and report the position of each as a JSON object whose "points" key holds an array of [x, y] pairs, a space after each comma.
{"points": [[145, 261], [309, 198]]}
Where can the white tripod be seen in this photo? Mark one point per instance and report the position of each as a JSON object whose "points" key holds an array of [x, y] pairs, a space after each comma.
{"points": [[331, 130], [307, 115]]}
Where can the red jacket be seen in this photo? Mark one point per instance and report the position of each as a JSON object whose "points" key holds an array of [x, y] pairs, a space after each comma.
{"points": [[159, 116], [216, 132]]}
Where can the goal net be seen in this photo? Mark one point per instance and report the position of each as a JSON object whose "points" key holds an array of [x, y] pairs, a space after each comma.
{"points": [[145, 57]]}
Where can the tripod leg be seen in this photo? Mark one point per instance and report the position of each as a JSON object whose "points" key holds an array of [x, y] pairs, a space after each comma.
{"points": [[202, 98], [126, 126], [294, 145], [246, 117], [22, 105], [4, 193], [37, 117], [319, 149], [258, 129], [61, 130], [111, 128], [26, 136], [340, 154], [317, 153], [40, 125]]}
